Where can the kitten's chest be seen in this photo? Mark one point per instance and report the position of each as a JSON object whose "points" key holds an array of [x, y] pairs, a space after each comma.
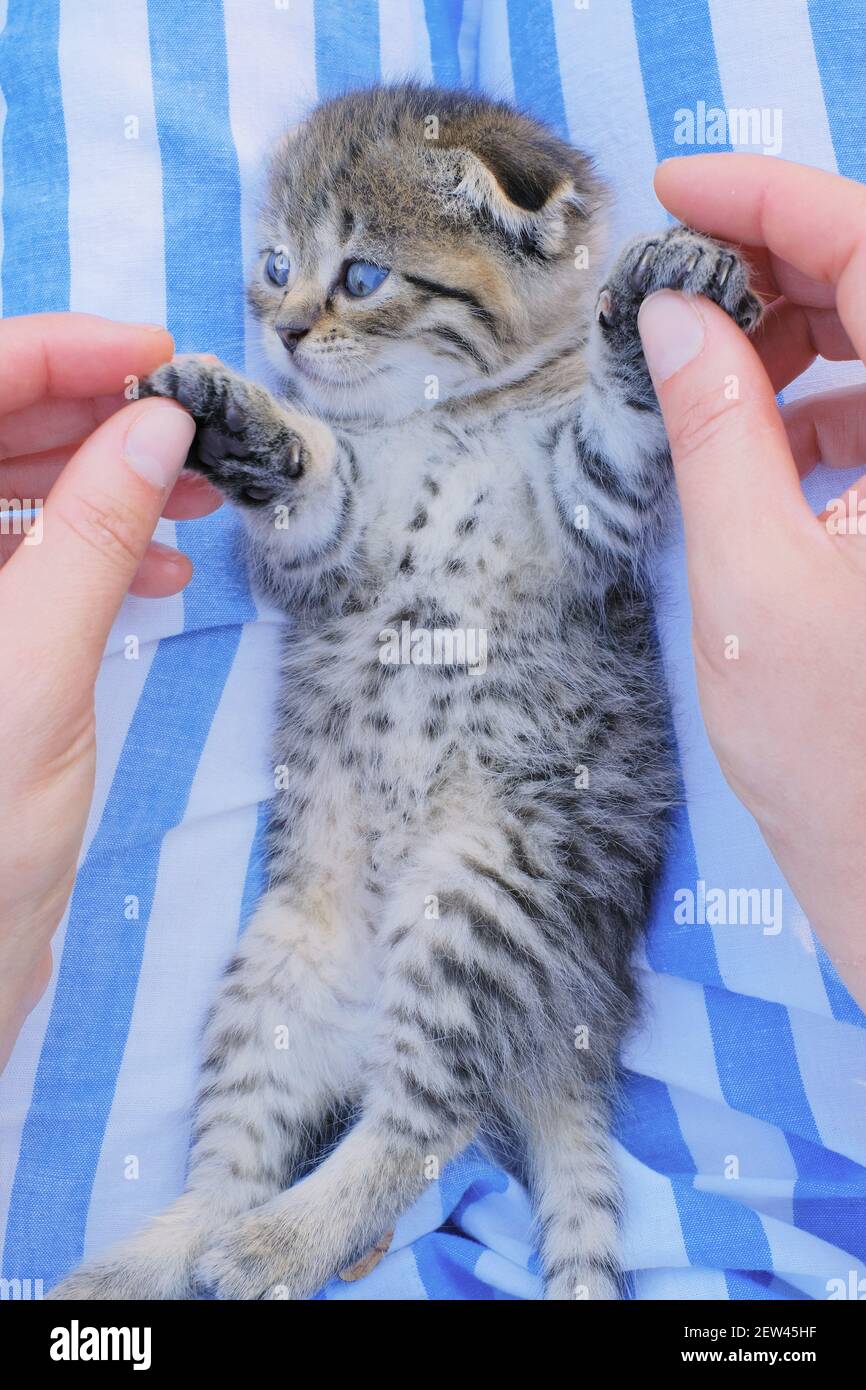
{"points": [[456, 505]]}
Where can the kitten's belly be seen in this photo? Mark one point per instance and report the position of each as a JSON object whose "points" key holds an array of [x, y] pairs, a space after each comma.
{"points": [[416, 705]]}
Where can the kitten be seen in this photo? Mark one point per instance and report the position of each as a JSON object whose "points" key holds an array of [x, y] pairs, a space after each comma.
{"points": [[456, 502]]}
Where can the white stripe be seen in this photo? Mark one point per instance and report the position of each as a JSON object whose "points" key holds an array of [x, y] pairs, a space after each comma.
{"points": [[736, 1155], [784, 76], [652, 1235], [404, 42], [498, 1272], [467, 42], [680, 1285], [607, 116], [805, 1260], [147, 619], [781, 75], [832, 1060], [115, 187], [657, 1049], [272, 87], [494, 53]]}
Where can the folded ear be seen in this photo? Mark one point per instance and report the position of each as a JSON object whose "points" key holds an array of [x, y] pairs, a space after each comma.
{"points": [[525, 188]]}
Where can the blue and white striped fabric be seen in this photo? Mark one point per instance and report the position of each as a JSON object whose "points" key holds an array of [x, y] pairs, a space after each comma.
{"points": [[132, 141]]}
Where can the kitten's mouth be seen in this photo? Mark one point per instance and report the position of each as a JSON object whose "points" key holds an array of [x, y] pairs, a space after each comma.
{"points": [[315, 372], [336, 377]]}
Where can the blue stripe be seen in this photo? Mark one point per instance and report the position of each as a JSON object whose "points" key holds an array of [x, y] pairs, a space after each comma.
{"points": [[678, 64], [89, 1023], [830, 1196], [757, 1061], [671, 947], [256, 876], [218, 593], [535, 62], [839, 38], [746, 1284], [347, 45], [200, 179], [204, 271], [646, 1123], [720, 1232], [36, 267], [675, 948], [843, 1006], [444, 18], [779, 1289]]}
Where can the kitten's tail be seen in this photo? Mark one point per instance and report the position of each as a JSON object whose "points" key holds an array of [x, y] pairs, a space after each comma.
{"points": [[578, 1199]]}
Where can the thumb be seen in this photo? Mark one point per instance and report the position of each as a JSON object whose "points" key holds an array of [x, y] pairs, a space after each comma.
{"points": [[736, 477], [61, 596]]}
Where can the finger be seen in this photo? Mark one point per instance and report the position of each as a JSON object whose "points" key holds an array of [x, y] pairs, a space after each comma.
{"points": [[771, 278], [798, 287], [733, 466], [73, 355], [63, 594], [162, 572], [762, 277], [31, 478], [187, 502], [192, 496], [828, 428], [52, 422], [790, 337], [783, 342], [813, 220]]}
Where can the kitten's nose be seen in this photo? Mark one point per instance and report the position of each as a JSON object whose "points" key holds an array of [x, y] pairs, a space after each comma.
{"points": [[290, 334]]}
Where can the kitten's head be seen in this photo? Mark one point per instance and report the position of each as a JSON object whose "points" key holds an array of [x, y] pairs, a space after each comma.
{"points": [[418, 244]]}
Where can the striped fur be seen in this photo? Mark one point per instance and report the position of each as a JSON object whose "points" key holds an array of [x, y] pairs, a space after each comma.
{"points": [[461, 853]]}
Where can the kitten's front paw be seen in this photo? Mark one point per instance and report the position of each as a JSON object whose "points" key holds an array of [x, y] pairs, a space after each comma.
{"points": [[245, 444], [679, 259]]}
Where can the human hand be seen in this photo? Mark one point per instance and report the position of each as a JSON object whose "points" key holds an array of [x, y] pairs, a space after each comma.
{"points": [[779, 622], [108, 469]]}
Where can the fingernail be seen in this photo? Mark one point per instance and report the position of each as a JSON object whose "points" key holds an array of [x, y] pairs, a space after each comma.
{"points": [[672, 333], [157, 550], [150, 327], [157, 443]]}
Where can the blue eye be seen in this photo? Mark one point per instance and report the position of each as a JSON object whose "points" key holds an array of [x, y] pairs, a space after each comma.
{"points": [[362, 278], [277, 266]]}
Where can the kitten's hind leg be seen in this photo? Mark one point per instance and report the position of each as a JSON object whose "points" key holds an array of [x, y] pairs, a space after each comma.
{"points": [[428, 1067], [468, 983], [281, 1057], [294, 1244], [576, 1197]]}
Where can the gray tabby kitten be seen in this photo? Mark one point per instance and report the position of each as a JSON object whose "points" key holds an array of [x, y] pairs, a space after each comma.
{"points": [[454, 496]]}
